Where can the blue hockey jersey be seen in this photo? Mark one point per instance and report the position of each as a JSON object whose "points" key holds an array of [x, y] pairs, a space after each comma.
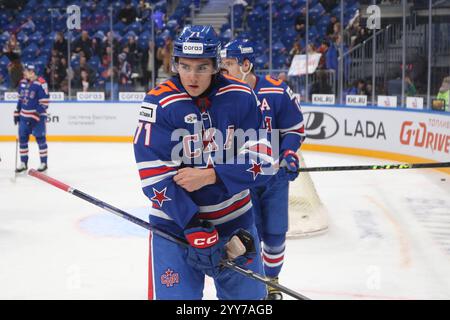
{"points": [[176, 130], [280, 111], [33, 99]]}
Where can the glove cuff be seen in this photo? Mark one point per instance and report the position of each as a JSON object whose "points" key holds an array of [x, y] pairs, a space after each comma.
{"points": [[290, 153], [203, 236]]}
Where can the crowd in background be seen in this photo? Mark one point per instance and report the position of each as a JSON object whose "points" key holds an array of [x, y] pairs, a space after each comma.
{"points": [[104, 61]]}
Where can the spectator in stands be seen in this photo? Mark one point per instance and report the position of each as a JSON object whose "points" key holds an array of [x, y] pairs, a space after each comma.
{"points": [[410, 88], [332, 62], [300, 22], [15, 71], [320, 85], [336, 29], [444, 92], [165, 54], [12, 47], [60, 44], [358, 88], [111, 42], [330, 27], [85, 82], [83, 44], [310, 48], [360, 37], [143, 10], [128, 13], [284, 77], [84, 66], [29, 24], [132, 52], [55, 72], [296, 49], [97, 47], [149, 65], [124, 72], [323, 50]]}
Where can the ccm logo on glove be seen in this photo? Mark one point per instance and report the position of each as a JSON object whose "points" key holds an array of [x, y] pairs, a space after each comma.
{"points": [[203, 239]]}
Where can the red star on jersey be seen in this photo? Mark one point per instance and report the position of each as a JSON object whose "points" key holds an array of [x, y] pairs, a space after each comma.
{"points": [[160, 196], [255, 169]]}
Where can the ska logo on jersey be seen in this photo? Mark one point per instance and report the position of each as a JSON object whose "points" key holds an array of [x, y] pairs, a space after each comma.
{"points": [[160, 196], [255, 169], [264, 105], [191, 118], [169, 278]]}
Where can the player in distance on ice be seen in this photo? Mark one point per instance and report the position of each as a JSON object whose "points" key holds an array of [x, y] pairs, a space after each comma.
{"points": [[31, 116]]}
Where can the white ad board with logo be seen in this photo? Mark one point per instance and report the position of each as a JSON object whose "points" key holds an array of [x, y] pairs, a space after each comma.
{"points": [[80, 119], [418, 134], [356, 100], [387, 101], [407, 132], [414, 102], [323, 99]]}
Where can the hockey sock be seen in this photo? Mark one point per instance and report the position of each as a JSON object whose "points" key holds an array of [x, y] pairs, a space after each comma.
{"points": [[42, 149], [273, 254]]}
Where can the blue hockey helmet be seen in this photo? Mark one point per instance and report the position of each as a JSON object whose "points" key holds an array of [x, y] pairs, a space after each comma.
{"points": [[240, 49], [198, 42], [29, 66]]}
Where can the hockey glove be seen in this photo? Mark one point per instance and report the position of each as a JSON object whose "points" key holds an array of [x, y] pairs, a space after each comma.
{"points": [[241, 247], [16, 117], [290, 161], [205, 251]]}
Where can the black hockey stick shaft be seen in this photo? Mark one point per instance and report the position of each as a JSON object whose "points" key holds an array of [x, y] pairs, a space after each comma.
{"points": [[378, 167], [161, 233]]}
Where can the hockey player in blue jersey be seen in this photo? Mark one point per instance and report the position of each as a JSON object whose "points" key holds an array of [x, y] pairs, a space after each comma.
{"points": [[196, 173], [31, 116], [281, 112]]}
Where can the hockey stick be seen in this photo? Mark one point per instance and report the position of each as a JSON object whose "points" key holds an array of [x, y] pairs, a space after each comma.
{"points": [[15, 163], [378, 167], [227, 264]]}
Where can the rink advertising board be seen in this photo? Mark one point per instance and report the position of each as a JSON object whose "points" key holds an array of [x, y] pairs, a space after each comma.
{"points": [[378, 132], [89, 121]]}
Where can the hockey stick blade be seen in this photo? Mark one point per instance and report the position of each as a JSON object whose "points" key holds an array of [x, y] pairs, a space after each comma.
{"points": [[378, 167], [227, 264]]}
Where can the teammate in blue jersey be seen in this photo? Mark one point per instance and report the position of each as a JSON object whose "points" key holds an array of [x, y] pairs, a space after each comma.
{"points": [[282, 113], [31, 115], [196, 171]]}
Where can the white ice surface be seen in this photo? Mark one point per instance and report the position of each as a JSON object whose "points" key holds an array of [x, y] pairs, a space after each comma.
{"points": [[389, 232]]}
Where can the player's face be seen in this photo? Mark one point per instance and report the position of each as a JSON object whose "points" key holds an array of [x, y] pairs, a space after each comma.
{"points": [[232, 67], [195, 74], [27, 74]]}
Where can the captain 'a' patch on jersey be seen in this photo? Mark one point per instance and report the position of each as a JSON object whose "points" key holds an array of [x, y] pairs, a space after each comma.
{"points": [[147, 112], [264, 105]]}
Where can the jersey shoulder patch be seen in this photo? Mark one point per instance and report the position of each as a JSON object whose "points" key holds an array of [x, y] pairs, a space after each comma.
{"points": [[165, 87], [234, 79], [275, 82], [147, 112], [41, 80]]}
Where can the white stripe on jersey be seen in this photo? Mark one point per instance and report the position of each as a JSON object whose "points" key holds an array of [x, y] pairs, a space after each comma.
{"points": [[174, 98], [232, 215], [157, 163], [152, 180], [226, 203], [233, 87]]}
